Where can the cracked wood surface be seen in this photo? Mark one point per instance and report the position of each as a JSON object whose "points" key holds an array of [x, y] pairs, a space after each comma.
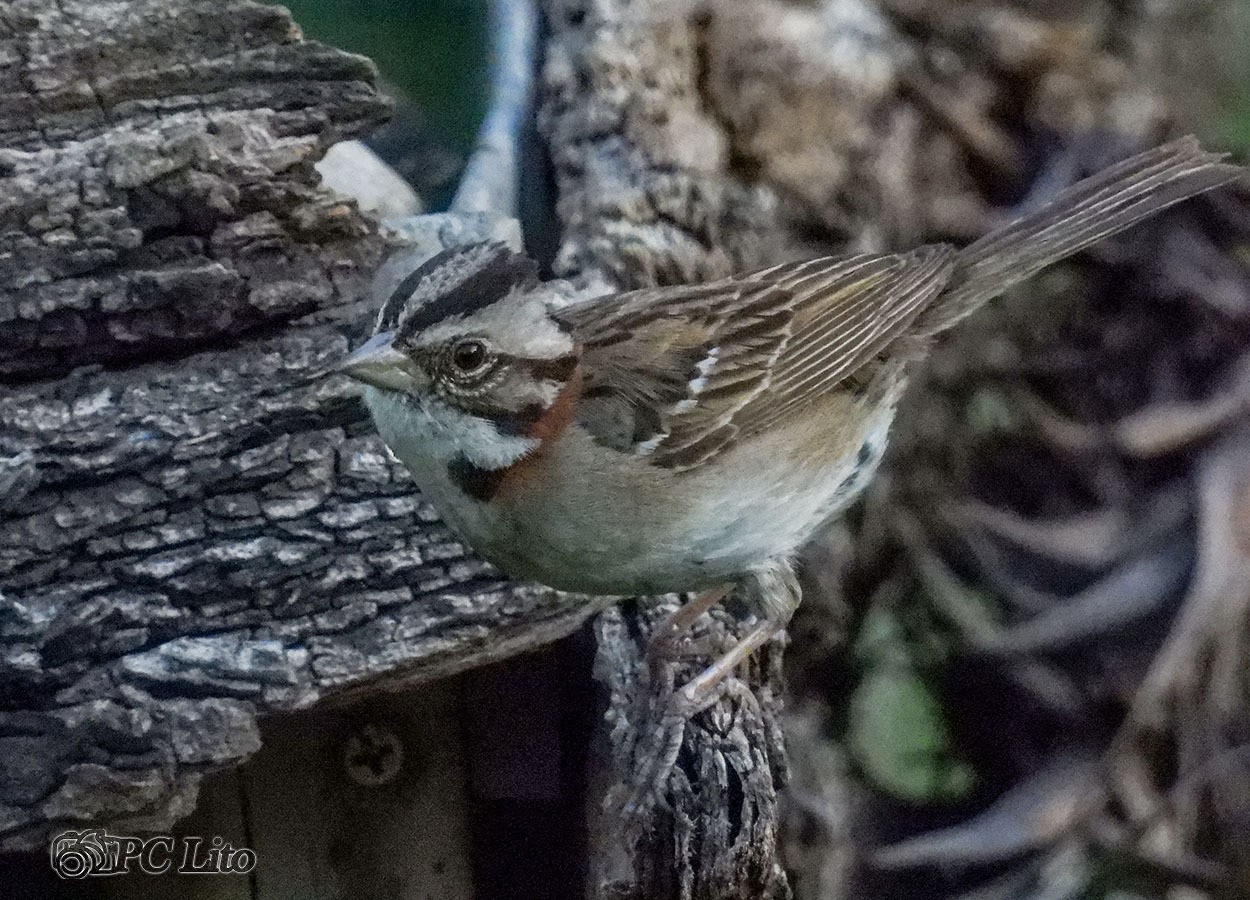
{"points": [[155, 192], [195, 529]]}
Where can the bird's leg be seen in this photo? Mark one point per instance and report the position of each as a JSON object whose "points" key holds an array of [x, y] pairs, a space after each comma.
{"points": [[699, 693], [662, 648], [774, 593]]}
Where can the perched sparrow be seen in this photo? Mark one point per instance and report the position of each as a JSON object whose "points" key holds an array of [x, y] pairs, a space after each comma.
{"points": [[692, 438]]}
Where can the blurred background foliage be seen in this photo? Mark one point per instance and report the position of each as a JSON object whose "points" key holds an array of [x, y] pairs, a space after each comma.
{"points": [[432, 54], [1234, 127], [1237, 125], [433, 57]]}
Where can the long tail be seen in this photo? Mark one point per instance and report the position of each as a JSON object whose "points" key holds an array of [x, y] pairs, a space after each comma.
{"points": [[1102, 205]]}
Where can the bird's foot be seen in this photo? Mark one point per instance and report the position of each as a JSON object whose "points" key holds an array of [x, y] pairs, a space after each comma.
{"points": [[668, 642], [655, 755]]}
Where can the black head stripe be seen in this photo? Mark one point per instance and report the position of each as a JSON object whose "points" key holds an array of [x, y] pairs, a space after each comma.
{"points": [[393, 308], [456, 283], [560, 369]]}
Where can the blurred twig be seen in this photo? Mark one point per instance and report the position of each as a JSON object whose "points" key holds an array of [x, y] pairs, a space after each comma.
{"points": [[490, 181]]}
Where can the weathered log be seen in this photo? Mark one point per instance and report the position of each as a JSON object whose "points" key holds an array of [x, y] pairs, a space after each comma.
{"points": [[186, 545]]}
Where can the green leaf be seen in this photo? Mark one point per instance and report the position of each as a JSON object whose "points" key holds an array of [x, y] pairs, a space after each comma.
{"points": [[989, 411], [900, 740]]}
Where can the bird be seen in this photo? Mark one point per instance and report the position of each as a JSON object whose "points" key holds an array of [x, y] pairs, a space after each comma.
{"points": [[692, 438]]}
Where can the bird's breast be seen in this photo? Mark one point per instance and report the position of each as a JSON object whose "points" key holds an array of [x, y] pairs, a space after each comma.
{"points": [[579, 516]]}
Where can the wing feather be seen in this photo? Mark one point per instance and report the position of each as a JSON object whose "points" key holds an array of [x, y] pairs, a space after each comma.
{"points": [[680, 374], [830, 355]]}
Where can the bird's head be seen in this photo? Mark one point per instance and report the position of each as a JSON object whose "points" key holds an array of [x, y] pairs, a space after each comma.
{"points": [[470, 337]]}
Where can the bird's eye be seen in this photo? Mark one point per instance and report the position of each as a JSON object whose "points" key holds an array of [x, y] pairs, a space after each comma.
{"points": [[469, 355]]}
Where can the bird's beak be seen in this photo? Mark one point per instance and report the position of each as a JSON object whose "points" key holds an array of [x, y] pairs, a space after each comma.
{"points": [[378, 363]]}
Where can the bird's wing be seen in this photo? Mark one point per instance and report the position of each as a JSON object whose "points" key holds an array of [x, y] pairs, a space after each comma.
{"points": [[679, 374]]}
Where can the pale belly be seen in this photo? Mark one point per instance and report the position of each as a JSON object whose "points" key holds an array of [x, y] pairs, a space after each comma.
{"points": [[594, 521]]}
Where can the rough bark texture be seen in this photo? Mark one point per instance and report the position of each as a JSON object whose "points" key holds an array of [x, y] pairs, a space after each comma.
{"points": [[192, 543], [156, 186]]}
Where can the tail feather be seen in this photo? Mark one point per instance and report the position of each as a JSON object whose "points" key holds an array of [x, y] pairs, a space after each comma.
{"points": [[1091, 210]]}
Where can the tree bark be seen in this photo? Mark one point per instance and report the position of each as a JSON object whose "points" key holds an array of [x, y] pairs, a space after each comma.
{"points": [[195, 530]]}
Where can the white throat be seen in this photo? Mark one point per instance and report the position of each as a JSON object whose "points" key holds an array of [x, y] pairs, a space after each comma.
{"points": [[425, 431]]}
